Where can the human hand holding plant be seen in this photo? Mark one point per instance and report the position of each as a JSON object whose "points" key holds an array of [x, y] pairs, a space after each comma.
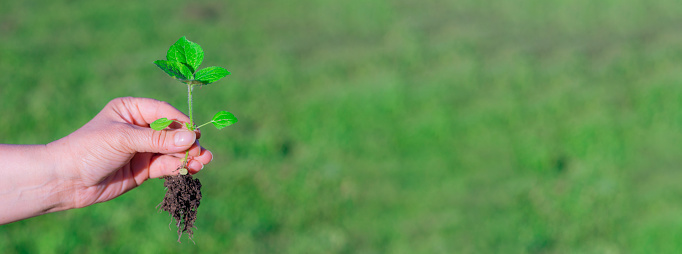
{"points": [[115, 152], [110, 155]]}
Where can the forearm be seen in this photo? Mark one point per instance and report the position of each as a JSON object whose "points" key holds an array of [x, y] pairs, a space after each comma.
{"points": [[29, 183]]}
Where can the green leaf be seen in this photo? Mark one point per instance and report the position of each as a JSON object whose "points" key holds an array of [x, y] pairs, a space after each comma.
{"points": [[211, 74], [160, 124], [186, 52], [176, 52], [223, 119], [175, 69]]}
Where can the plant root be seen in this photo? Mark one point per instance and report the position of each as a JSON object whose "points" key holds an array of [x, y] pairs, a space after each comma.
{"points": [[183, 195]]}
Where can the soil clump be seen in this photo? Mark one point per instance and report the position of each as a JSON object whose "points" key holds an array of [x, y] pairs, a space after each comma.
{"points": [[183, 195]]}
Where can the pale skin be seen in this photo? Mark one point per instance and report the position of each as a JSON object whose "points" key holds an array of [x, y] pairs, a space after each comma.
{"points": [[113, 153]]}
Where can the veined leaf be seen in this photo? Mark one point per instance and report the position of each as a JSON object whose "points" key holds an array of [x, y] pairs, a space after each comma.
{"points": [[176, 52], [211, 74], [175, 69], [160, 124], [187, 52], [223, 119]]}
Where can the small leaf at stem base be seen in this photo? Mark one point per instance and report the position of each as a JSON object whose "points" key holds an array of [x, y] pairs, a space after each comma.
{"points": [[160, 124]]}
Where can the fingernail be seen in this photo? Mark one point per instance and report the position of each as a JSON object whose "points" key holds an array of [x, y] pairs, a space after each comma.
{"points": [[184, 138], [196, 166]]}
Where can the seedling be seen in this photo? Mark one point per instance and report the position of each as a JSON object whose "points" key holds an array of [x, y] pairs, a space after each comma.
{"points": [[184, 192]]}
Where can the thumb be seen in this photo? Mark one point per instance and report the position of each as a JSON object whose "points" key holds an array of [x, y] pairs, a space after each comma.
{"points": [[163, 141]]}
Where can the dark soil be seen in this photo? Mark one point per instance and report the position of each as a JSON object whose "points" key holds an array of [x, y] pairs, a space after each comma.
{"points": [[183, 193]]}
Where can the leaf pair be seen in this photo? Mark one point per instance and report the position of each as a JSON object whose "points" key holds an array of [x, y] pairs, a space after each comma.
{"points": [[182, 60], [220, 120]]}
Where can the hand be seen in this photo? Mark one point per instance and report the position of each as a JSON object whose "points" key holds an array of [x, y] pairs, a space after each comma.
{"points": [[116, 151]]}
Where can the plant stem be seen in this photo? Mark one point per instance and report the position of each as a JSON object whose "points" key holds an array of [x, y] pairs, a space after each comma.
{"points": [[191, 121], [189, 101], [204, 124], [184, 161]]}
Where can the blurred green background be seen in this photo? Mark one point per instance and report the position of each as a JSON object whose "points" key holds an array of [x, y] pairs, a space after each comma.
{"points": [[372, 126]]}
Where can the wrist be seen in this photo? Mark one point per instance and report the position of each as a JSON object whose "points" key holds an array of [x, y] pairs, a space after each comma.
{"points": [[61, 176]]}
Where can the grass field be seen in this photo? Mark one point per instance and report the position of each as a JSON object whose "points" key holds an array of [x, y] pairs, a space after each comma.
{"points": [[372, 126]]}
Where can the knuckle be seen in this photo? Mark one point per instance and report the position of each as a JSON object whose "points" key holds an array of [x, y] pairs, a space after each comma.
{"points": [[120, 100], [163, 103], [119, 103], [113, 102], [158, 138]]}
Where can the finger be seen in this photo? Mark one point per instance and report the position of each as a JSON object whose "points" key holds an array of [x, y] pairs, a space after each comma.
{"points": [[166, 165], [139, 166], [194, 166], [197, 163], [143, 111], [163, 165], [138, 139], [194, 150], [205, 157]]}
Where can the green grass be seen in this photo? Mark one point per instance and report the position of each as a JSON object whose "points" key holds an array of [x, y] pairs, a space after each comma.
{"points": [[373, 126]]}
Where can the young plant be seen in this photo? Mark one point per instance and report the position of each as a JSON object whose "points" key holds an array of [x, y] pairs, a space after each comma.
{"points": [[183, 192], [182, 62]]}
